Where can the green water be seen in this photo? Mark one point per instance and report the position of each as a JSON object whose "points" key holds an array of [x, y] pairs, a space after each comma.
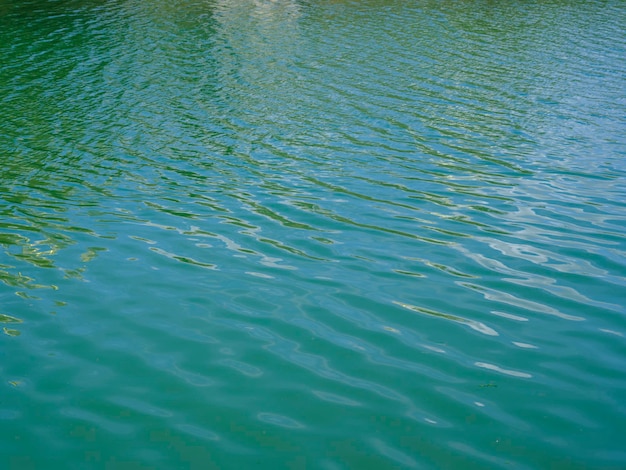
{"points": [[324, 234]]}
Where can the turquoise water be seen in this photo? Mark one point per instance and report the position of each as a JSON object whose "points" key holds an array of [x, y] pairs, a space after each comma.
{"points": [[312, 234]]}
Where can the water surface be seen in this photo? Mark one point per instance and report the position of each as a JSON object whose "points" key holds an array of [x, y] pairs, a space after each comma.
{"points": [[312, 234]]}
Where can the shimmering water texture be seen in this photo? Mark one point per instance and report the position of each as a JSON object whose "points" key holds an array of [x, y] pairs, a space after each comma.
{"points": [[375, 234]]}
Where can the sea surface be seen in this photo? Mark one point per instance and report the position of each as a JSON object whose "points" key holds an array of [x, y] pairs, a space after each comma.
{"points": [[317, 234]]}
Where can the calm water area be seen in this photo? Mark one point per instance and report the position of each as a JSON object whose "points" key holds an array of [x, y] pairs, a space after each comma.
{"points": [[312, 234]]}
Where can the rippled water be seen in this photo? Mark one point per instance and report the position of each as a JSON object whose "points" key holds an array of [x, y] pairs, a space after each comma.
{"points": [[312, 234]]}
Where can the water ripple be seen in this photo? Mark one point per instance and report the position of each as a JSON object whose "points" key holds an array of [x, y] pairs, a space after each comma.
{"points": [[324, 234]]}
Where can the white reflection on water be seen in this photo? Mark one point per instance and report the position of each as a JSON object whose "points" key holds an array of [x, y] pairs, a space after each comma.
{"points": [[473, 324], [513, 373]]}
